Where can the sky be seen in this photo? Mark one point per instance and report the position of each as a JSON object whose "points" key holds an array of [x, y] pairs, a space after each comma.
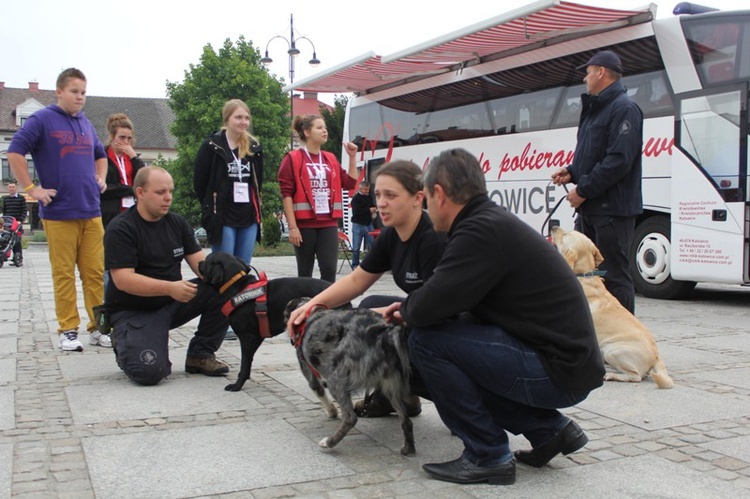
{"points": [[132, 48]]}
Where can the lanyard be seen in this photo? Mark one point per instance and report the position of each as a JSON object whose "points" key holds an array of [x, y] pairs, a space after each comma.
{"points": [[123, 171], [238, 163], [315, 165]]}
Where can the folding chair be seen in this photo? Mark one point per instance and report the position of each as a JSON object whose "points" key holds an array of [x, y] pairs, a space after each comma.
{"points": [[345, 247]]}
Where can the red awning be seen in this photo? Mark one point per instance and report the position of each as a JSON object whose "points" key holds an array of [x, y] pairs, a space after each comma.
{"points": [[543, 20]]}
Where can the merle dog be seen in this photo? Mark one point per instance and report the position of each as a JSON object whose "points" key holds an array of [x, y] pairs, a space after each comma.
{"points": [[351, 350], [220, 268]]}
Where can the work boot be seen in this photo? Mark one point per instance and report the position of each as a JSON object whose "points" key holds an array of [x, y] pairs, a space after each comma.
{"points": [[210, 366], [376, 405]]}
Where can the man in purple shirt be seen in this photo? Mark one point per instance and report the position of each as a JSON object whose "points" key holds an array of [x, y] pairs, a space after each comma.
{"points": [[72, 166]]}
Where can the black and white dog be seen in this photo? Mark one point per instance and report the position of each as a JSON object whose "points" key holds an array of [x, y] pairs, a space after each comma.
{"points": [[231, 277], [352, 350]]}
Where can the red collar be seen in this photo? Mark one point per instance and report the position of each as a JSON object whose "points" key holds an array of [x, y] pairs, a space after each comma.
{"points": [[257, 291]]}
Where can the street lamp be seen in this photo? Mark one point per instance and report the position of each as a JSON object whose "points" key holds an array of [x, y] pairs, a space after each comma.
{"points": [[293, 53]]}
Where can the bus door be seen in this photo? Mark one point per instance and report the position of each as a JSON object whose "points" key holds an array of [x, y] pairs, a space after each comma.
{"points": [[709, 197]]}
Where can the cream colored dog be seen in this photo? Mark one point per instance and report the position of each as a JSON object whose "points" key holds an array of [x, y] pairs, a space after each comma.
{"points": [[626, 343]]}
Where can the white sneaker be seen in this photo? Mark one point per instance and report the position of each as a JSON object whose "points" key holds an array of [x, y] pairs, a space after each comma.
{"points": [[101, 340], [69, 341]]}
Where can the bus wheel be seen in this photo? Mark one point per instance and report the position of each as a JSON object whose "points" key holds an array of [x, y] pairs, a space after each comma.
{"points": [[649, 264]]}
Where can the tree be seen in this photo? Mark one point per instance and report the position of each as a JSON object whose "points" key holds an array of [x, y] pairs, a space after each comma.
{"points": [[234, 72], [335, 124]]}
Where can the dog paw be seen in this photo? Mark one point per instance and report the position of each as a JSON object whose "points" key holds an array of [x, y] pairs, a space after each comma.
{"points": [[324, 443], [234, 387], [407, 450], [332, 413]]}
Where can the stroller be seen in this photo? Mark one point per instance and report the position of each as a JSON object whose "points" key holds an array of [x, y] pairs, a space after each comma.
{"points": [[9, 236]]}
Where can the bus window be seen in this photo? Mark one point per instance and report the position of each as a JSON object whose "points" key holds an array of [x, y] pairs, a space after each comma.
{"points": [[570, 108], [709, 131], [524, 112], [651, 92], [719, 48]]}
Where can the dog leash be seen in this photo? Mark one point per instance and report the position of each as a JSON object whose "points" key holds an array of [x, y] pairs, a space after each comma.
{"points": [[256, 290], [552, 212]]}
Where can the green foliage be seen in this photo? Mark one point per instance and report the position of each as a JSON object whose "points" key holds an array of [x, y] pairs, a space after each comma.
{"points": [[271, 198], [39, 237], [232, 72], [335, 124], [271, 231]]}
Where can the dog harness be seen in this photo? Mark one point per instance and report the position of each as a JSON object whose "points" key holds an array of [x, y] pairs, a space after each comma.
{"points": [[256, 290], [298, 334]]}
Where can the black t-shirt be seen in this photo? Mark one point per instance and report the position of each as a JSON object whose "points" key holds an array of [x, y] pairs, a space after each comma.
{"points": [[361, 205], [239, 214], [413, 261], [153, 249]]}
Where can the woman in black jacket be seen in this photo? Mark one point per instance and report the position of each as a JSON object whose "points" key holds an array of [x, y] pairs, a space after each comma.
{"points": [[122, 165], [227, 179]]}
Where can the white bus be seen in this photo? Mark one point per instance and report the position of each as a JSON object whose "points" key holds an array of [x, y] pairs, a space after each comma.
{"points": [[507, 90]]}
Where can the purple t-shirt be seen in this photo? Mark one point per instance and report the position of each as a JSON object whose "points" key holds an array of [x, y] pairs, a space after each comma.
{"points": [[65, 149]]}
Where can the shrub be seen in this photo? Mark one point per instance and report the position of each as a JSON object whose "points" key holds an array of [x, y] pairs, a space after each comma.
{"points": [[271, 231]]}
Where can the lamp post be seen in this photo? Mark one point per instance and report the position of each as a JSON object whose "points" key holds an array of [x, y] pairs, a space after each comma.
{"points": [[293, 53]]}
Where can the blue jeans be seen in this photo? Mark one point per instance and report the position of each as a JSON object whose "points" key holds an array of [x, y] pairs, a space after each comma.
{"points": [[360, 232], [238, 241], [485, 382]]}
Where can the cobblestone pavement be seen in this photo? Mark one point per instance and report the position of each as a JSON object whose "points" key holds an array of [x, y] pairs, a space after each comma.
{"points": [[72, 425]]}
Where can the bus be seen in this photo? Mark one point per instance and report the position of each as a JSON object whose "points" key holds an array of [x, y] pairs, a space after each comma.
{"points": [[508, 91]]}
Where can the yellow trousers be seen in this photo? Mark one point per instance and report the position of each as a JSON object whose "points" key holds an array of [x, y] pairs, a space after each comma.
{"points": [[76, 243]]}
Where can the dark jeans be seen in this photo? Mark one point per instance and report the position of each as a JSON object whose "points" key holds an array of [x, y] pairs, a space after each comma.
{"points": [[614, 236], [141, 337], [323, 243], [485, 382], [359, 233]]}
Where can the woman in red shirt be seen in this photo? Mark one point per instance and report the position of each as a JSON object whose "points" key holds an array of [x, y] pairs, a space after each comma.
{"points": [[311, 181]]}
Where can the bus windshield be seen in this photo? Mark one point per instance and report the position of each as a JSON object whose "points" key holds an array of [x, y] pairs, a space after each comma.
{"points": [[719, 47]]}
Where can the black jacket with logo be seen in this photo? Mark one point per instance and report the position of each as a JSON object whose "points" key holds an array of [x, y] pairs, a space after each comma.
{"points": [[607, 164]]}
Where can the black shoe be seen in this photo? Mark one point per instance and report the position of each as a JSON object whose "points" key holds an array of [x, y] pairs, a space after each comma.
{"points": [[462, 470], [569, 440]]}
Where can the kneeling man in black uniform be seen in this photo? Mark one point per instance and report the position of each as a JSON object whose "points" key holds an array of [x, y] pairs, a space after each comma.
{"points": [[147, 296]]}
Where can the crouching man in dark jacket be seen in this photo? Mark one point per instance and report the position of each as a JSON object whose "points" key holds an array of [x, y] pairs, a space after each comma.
{"points": [[528, 347]]}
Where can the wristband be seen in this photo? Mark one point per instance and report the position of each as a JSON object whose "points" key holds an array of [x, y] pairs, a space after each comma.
{"points": [[28, 188]]}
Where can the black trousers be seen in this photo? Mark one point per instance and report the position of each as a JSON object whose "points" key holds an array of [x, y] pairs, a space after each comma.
{"points": [[141, 337], [323, 243], [613, 236]]}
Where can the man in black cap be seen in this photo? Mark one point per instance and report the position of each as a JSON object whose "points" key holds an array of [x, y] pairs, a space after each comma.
{"points": [[607, 170]]}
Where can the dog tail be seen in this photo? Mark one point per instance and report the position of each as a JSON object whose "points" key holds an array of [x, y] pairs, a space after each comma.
{"points": [[659, 375]]}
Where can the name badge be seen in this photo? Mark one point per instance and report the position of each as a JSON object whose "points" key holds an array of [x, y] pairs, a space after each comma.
{"points": [[241, 192], [322, 205], [127, 202]]}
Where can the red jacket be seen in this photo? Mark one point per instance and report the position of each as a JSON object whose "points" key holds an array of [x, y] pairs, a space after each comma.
{"points": [[302, 196]]}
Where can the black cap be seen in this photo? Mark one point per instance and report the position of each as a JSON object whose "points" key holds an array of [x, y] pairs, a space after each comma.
{"points": [[606, 59]]}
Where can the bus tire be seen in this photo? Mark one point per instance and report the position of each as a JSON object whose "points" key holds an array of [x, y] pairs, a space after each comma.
{"points": [[649, 262]]}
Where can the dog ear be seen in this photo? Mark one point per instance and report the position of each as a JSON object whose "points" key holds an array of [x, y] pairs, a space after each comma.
{"points": [[598, 258], [571, 257], [213, 273]]}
